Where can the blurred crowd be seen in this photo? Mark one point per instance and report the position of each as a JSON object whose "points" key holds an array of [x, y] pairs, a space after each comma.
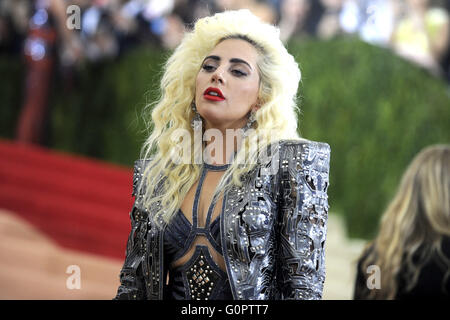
{"points": [[63, 34], [415, 29]]}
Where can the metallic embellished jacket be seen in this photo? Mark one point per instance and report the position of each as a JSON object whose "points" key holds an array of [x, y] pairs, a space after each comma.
{"points": [[273, 231]]}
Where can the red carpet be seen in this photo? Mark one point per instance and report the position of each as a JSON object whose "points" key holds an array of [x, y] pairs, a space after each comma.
{"points": [[80, 203]]}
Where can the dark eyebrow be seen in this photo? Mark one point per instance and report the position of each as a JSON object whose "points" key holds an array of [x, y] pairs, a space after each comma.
{"points": [[232, 60]]}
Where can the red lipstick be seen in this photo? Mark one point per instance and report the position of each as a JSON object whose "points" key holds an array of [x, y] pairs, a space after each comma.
{"points": [[213, 94]]}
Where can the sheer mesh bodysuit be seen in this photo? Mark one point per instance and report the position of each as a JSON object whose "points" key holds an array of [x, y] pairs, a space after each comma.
{"points": [[192, 243]]}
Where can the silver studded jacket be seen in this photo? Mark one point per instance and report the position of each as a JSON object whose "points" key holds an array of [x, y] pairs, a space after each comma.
{"points": [[273, 231]]}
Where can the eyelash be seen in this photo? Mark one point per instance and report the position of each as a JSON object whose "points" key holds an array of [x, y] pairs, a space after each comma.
{"points": [[238, 73]]}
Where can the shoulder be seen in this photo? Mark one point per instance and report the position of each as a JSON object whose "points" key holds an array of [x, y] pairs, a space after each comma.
{"points": [[304, 146], [305, 163], [306, 153]]}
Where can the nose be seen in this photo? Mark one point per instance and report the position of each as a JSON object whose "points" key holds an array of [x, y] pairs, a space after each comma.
{"points": [[218, 76]]}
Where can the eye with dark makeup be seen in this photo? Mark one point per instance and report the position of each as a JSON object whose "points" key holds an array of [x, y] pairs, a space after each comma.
{"points": [[238, 73], [235, 72], [207, 67]]}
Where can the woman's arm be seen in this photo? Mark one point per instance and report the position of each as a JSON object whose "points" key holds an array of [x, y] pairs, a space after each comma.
{"points": [[132, 283], [303, 214]]}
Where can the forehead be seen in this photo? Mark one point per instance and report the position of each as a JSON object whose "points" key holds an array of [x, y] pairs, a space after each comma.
{"points": [[236, 48]]}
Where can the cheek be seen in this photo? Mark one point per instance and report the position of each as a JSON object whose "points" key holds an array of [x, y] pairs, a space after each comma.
{"points": [[249, 91], [197, 84], [200, 82]]}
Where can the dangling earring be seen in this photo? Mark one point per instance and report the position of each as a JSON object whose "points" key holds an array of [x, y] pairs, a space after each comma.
{"points": [[196, 122], [251, 120]]}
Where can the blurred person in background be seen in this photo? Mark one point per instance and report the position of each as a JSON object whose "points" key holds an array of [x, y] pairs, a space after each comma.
{"points": [[372, 20], [329, 24], [307, 18], [445, 60], [262, 9], [421, 34], [14, 15], [190, 11], [155, 20], [107, 29], [412, 249], [293, 17], [40, 53]]}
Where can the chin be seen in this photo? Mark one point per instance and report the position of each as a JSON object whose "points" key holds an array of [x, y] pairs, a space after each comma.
{"points": [[214, 119], [212, 111]]}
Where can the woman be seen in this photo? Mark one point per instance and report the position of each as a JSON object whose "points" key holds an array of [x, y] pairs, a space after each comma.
{"points": [[412, 249], [228, 221]]}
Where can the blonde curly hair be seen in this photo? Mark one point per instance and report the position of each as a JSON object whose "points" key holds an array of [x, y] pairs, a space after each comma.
{"points": [[414, 224], [276, 118]]}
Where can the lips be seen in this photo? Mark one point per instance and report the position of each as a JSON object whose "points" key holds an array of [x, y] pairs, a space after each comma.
{"points": [[213, 94]]}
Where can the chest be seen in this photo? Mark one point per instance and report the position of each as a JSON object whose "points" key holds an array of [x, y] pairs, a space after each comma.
{"points": [[199, 206]]}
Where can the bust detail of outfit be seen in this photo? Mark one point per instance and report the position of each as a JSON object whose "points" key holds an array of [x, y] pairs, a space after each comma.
{"points": [[273, 229]]}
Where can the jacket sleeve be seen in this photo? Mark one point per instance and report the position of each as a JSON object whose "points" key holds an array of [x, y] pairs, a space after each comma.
{"points": [[303, 213], [132, 281]]}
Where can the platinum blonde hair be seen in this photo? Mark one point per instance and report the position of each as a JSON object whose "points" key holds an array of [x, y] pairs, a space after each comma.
{"points": [[276, 118], [414, 223]]}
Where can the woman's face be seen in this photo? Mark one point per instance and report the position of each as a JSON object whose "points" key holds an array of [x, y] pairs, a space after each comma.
{"points": [[227, 85]]}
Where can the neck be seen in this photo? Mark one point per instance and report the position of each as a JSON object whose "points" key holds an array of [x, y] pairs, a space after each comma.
{"points": [[221, 147], [222, 142]]}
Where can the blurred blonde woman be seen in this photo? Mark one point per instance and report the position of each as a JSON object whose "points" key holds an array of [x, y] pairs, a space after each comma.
{"points": [[214, 218], [412, 249]]}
